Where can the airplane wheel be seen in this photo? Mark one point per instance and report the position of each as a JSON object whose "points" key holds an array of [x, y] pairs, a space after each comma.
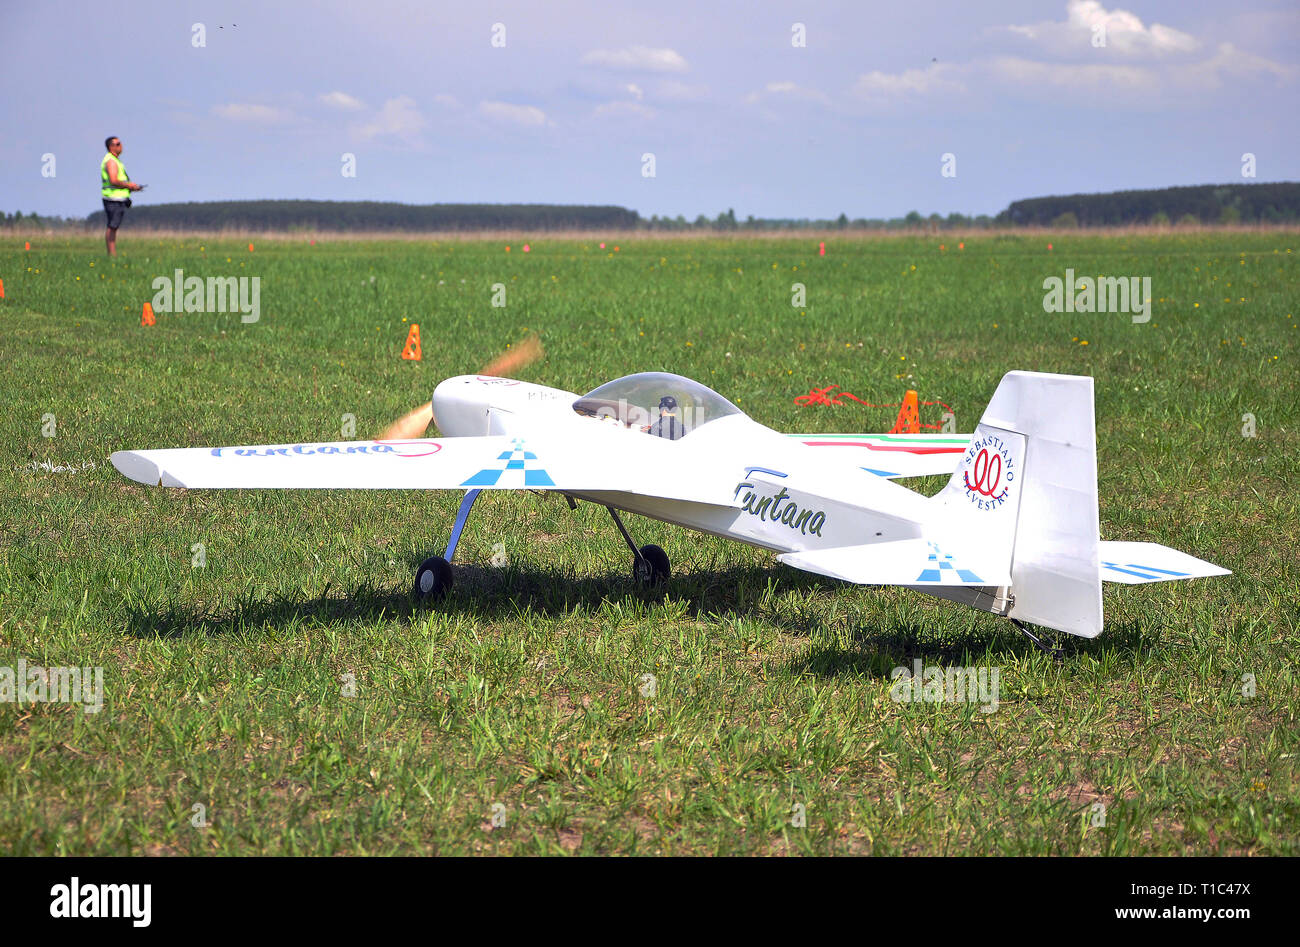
{"points": [[652, 567], [432, 579]]}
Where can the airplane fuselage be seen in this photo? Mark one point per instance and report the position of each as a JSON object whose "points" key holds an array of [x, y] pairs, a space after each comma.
{"points": [[762, 487]]}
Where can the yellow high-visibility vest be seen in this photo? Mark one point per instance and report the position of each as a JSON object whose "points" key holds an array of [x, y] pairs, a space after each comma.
{"points": [[105, 188]]}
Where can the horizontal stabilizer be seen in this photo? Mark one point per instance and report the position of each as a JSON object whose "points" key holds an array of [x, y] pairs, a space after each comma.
{"points": [[902, 562], [1135, 563], [893, 455]]}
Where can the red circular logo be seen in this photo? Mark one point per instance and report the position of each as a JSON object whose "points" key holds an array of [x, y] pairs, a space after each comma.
{"points": [[987, 475], [402, 448]]}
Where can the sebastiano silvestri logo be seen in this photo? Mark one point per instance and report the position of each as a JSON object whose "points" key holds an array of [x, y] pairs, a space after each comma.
{"points": [[398, 449], [990, 470], [769, 509]]}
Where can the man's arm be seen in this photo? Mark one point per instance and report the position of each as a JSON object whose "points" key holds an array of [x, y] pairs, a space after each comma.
{"points": [[112, 177]]}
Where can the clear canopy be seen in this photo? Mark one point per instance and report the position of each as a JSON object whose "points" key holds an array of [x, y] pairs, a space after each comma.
{"points": [[656, 402]]}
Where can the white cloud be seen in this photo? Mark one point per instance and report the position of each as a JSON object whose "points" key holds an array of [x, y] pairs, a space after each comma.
{"points": [[1138, 84], [341, 100], [1124, 32], [637, 58], [258, 114], [681, 91], [447, 100], [1232, 62], [514, 114], [623, 110], [787, 92], [398, 118], [633, 89], [1092, 77], [935, 79]]}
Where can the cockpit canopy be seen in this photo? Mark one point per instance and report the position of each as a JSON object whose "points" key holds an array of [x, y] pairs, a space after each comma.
{"points": [[657, 403]]}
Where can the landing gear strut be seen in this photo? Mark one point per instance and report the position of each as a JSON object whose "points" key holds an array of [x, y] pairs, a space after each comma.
{"points": [[649, 563], [433, 578]]}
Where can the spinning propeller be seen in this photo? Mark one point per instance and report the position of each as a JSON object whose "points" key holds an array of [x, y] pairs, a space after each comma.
{"points": [[415, 423]]}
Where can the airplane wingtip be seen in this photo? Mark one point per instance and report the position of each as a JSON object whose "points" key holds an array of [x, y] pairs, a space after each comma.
{"points": [[133, 465]]}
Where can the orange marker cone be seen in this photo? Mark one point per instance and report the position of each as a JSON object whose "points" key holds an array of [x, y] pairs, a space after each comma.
{"points": [[146, 317], [250, 248], [909, 416], [2, 289], [821, 248], [412, 350], [27, 245]]}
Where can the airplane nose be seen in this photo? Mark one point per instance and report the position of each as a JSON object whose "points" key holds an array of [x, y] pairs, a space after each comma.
{"points": [[461, 406]]}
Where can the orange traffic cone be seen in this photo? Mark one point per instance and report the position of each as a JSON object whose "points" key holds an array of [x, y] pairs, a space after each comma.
{"points": [[146, 317], [2, 289], [909, 416], [250, 248], [27, 245], [412, 350]]}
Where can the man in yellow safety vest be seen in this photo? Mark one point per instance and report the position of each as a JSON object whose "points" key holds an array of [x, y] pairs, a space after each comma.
{"points": [[116, 187]]}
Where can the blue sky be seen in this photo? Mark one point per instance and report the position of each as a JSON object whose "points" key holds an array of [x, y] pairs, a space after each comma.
{"points": [[736, 115]]}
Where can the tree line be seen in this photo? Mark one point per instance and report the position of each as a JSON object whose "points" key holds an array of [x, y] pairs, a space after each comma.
{"points": [[1203, 204], [373, 216]]}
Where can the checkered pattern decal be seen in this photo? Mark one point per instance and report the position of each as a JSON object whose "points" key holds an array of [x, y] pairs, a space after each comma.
{"points": [[518, 459], [941, 569]]}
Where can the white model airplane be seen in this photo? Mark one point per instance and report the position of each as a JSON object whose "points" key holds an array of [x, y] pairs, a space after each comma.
{"points": [[1015, 531]]}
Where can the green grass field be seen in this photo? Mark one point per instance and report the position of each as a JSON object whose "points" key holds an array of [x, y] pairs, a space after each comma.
{"points": [[227, 686]]}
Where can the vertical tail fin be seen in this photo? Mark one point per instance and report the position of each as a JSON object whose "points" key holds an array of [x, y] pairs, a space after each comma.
{"points": [[1025, 493]]}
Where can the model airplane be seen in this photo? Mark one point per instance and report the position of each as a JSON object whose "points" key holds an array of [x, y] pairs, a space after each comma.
{"points": [[1015, 531]]}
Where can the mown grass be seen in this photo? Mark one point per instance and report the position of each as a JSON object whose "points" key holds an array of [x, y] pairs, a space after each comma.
{"points": [[225, 686]]}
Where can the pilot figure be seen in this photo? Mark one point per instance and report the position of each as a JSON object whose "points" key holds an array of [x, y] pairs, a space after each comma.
{"points": [[667, 426]]}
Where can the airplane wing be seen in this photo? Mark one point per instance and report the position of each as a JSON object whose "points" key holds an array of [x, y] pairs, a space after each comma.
{"points": [[500, 462], [893, 455]]}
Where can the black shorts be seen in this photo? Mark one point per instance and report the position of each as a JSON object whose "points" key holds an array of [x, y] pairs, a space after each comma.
{"points": [[115, 210]]}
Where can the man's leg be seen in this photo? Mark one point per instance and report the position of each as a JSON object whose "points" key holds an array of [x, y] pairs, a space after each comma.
{"points": [[110, 240]]}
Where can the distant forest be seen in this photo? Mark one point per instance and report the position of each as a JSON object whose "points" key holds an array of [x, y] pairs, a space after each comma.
{"points": [[1204, 204], [373, 215]]}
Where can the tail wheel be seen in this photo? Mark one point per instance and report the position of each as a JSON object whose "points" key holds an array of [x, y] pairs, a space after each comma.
{"points": [[432, 580], [651, 567]]}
